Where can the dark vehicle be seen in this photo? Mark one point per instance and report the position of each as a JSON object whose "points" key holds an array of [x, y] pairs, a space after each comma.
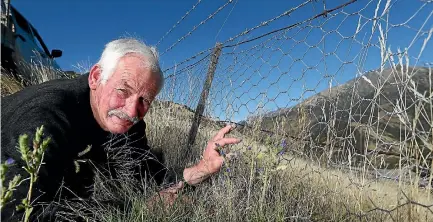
{"points": [[22, 45]]}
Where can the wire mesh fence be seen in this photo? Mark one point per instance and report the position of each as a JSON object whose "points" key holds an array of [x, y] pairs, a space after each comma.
{"points": [[346, 84], [333, 100]]}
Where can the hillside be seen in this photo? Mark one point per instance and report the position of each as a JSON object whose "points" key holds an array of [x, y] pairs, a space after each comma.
{"points": [[362, 116]]}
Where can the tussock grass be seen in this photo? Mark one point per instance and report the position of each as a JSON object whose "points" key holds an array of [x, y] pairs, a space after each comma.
{"points": [[28, 74], [9, 84], [260, 185]]}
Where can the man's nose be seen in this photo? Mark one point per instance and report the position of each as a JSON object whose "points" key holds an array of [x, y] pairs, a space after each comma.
{"points": [[132, 108]]}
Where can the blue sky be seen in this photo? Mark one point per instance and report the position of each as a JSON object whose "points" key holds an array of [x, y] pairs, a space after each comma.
{"points": [[271, 74]]}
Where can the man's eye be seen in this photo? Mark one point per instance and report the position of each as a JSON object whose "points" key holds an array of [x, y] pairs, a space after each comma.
{"points": [[122, 92], [145, 101]]}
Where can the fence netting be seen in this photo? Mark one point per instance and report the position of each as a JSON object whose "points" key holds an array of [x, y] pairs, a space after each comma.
{"points": [[347, 84]]}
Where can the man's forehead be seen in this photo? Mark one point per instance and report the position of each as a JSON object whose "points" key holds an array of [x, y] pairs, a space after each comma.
{"points": [[143, 85], [136, 79], [133, 61], [133, 71]]}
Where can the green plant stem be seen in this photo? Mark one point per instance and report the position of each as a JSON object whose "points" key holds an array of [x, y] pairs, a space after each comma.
{"points": [[29, 197]]}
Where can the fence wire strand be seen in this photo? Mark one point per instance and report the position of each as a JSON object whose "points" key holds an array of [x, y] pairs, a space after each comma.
{"points": [[179, 21], [196, 27]]}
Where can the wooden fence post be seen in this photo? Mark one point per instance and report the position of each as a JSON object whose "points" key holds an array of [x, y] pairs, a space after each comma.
{"points": [[204, 94]]}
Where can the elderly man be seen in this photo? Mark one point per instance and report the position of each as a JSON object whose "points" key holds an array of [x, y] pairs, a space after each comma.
{"points": [[92, 109]]}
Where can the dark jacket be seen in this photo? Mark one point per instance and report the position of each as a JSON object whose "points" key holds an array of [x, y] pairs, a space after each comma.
{"points": [[63, 108]]}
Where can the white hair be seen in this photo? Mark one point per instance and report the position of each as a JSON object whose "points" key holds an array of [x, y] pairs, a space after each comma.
{"points": [[119, 48]]}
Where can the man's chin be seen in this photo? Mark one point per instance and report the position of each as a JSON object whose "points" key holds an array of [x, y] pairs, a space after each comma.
{"points": [[118, 129], [118, 126]]}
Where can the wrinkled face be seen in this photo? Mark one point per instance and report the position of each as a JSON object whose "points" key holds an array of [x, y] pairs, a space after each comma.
{"points": [[125, 97]]}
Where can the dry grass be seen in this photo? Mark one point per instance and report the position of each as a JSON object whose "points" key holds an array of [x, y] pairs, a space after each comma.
{"points": [[9, 85], [357, 192], [34, 74], [256, 189], [260, 185]]}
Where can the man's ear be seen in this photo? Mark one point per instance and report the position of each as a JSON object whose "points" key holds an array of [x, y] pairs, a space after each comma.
{"points": [[94, 76]]}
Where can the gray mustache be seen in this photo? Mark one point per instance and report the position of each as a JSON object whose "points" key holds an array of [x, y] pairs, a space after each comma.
{"points": [[124, 116]]}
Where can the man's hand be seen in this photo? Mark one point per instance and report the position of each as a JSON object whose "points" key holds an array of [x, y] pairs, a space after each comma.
{"points": [[212, 161], [210, 164]]}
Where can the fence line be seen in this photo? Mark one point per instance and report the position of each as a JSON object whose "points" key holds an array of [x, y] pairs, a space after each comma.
{"points": [[197, 26], [265, 23], [178, 22], [325, 13], [286, 13]]}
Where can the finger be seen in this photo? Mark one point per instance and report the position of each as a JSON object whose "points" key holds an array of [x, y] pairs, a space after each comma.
{"points": [[225, 141], [223, 132], [179, 185]]}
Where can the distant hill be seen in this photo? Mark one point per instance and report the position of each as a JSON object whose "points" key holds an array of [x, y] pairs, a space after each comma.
{"points": [[360, 116]]}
